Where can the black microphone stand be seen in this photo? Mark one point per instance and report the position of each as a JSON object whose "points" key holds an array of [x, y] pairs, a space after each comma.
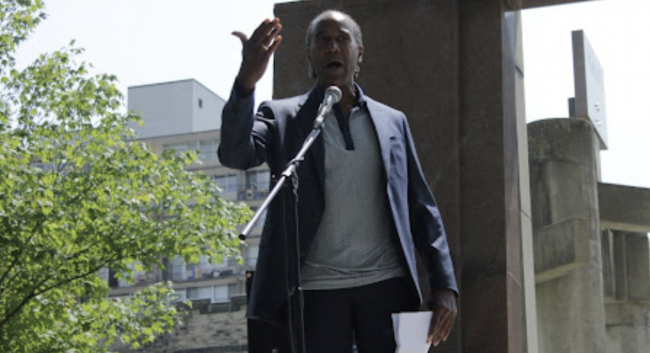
{"points": [[292, 239]]}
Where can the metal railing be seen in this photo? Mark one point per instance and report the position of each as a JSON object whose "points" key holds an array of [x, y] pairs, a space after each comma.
{"points": [[180, 274], [250, 194]]}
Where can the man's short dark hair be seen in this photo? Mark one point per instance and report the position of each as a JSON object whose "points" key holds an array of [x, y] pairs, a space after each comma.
{"points": [[356, 30]]}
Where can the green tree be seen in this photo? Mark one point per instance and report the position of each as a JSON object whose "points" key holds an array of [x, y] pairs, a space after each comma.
{"points": [[78, 194]]}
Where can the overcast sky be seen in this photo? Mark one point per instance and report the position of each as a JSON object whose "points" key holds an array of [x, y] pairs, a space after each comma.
{"points": [[150, 41]]}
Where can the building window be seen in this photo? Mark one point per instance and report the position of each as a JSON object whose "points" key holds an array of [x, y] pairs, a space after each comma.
{"points": [[252, 252], [192, 272], [221, 293], [199, 292], [192, 293], [178, 147], [233, 289], [200, 103], [180, 295], [176, 269], [208, 150], [258, 180], [227, 183], [181, 148]]}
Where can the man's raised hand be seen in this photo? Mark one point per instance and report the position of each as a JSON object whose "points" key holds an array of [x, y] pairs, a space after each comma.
{"points": [[256, 52]]}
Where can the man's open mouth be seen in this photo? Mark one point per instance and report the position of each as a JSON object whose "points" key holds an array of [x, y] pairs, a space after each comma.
{"points": [[334, 64]]}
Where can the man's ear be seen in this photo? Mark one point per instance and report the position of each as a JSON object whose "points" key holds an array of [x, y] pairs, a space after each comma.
{"points": [[360, 56]]}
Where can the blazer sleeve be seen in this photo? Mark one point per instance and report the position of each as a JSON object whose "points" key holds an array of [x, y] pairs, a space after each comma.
{"points": [[245, 137], [427, 228]]}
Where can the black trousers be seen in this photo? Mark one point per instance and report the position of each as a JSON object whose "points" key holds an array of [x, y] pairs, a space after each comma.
{"points": [[336, 319]]}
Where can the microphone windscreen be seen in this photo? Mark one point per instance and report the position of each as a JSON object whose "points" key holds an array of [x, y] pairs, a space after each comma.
{"points": [[335, 92]]}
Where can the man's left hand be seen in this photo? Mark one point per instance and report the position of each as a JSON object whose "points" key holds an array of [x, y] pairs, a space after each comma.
{"points": [[443, 304]]}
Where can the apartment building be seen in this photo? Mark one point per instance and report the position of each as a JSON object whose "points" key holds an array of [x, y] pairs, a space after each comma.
{"points": [[185, 115]]}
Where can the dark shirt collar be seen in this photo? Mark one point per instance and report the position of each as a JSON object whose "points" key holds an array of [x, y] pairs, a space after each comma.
{"points": [[344, 122], [361, 98]]}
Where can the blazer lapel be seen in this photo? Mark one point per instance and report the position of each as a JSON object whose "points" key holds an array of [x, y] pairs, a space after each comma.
{"points": [[305, 120], [384, 133]]}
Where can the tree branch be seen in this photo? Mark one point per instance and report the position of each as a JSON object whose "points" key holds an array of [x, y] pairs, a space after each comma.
{"points": [[36, 226], [33, 293], [15, 261]]}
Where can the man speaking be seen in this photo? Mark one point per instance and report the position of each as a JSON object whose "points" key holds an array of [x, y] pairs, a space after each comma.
{"points": [[365, 207]]}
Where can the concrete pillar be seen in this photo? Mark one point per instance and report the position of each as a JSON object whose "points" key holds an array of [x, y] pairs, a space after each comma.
{"points": [[609, 269], [524, 197], [492, 214], [567, 236], [451, 66]]}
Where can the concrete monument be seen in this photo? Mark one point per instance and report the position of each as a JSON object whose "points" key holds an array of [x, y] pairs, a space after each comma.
{"points": [[589, 81]]}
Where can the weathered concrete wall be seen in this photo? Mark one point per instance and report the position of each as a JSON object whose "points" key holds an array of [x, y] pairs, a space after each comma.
{"points": [[628, 327], [206, 328], [567, 236], [624, 207], [627, 305]]}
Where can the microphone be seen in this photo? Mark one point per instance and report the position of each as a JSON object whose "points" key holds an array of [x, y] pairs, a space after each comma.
{"points": [[332, 96]]}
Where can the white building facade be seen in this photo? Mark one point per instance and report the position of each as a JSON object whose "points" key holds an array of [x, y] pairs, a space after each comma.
{"points": [[184, 116]]}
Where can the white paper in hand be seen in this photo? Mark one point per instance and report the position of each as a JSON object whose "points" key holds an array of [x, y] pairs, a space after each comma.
{"points": [[411, 330]]}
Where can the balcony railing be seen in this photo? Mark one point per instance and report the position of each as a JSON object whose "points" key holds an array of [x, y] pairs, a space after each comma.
{"points": [[181, 273], [250, 194]]}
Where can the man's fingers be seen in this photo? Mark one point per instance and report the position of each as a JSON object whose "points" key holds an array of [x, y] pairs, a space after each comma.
{"points": [[443, 303], [265, 31], [274, 46], [446, 323], [261, 30], [266, 37], [438, 330], [241, 37], [434, 329], [272, 36], [449, 323]]}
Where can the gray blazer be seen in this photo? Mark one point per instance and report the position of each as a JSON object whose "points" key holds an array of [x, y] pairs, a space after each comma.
{"points": [[274, 135]]}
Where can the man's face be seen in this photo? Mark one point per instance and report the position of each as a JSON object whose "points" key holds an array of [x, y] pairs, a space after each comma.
{"points": [[334, 53]]}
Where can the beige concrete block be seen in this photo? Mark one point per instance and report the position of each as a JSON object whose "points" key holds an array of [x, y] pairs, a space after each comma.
{"points": [[570, 317], [628, 328], [560, 248]]}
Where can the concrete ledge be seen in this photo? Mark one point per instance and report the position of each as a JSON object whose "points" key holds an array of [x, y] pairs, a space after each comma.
{"points": [[624, 208], [527, 4], [560, 248]]}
